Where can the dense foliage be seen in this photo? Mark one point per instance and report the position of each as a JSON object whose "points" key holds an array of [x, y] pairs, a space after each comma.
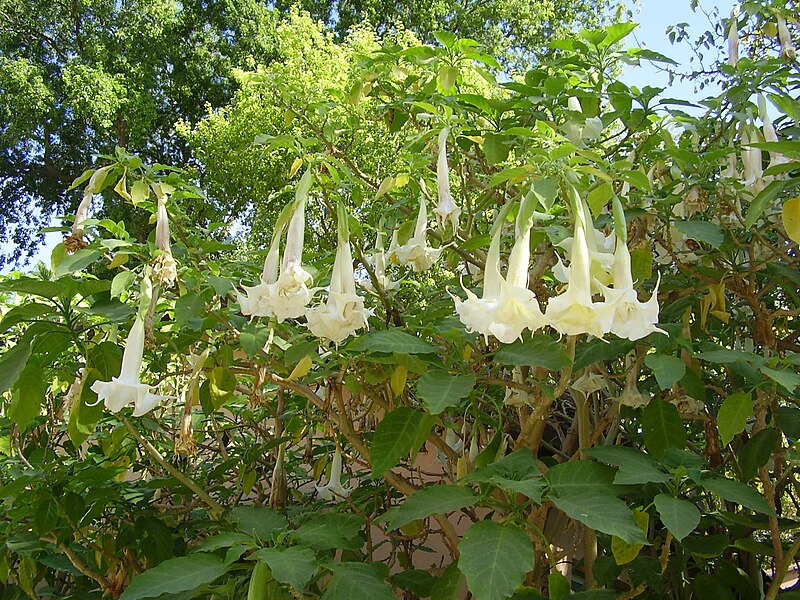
{"points": [[578, 376], [81, 77]]}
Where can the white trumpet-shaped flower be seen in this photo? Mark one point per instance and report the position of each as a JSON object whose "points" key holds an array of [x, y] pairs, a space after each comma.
{"points": [[507, 307], [601, 253], [751, 160], [576, 132], [128, 388], [788, 50], [165, 269], [447, 211], [633, 319], [573, 312], [415, 251], [770, 135], [733, 37], [378, 262], [334, 490], [284, 294], [343, 313], [75, 240]]}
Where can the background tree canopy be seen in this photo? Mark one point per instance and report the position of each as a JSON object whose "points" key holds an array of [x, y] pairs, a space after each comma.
{"points": [[79, 78]]}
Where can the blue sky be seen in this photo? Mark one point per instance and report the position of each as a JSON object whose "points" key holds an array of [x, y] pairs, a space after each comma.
{"points": [[654, 16]]}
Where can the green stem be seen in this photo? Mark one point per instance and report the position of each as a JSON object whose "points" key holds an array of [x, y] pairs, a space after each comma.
{"points": [[216, 508], [780, 573]]}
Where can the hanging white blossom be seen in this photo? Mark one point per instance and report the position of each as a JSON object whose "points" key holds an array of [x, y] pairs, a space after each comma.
{"points": [[343, 313], [447, 211], [416, 251], [334, 490], [284, 294]]}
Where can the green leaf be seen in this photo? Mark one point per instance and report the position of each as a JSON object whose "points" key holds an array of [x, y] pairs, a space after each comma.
{"points": [[77, 261], [679, 516], [764, 197], [174, 576], [293, 566], [581, 476], [445, 38], [788, 418], [331, 530], [396, 435], [12, 362], [222, 384], [357, 581], [391, 340], [616, 32], [757, 452], [121, 282], [189, 309], [495, 559], [635, 467], [430, 500], [496, 148], [440, 390], [259, 521], [28, 395], [733, 415], [702, 231], [447, 76], [599, 510], [667, 369], [449, 585], [24, 312], [706, 546], [737, 492], [545, 191], [663, 427], [253, 337], [785, 377], [539, 351]]}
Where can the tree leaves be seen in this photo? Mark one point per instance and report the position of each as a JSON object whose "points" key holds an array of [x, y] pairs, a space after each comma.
{"points": [[174, 576], [680, 516], [357, 581], [430, 500], [733, 415], [396, 435], [293, 566], [539, 351], [391, 340], [494, 559], [440, 390], [663, 427]]}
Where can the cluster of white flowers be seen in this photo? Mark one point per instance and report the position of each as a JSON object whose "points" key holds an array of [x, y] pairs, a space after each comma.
{"points": [[508, 307]]}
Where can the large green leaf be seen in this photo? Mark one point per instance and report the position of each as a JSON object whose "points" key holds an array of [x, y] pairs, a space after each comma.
{"points": [[293, 566], [667, 369], [663, 427], [174, 576], [539, 351], [680, 516], [260, 521], [702, 231], [331, 530], [635, 467], [77, 261], [396, 435], [757, 452], [430, 500], [737, 492], [391, 340], [733, 415], [12, 362], [494, 559], [786, 377], [788, 418], [357, 581], [28, 395], [24, 312], [600, 510], [581, 476], [440, 390]]}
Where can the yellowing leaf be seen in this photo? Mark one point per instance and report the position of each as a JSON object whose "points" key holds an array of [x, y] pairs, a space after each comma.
{"points": [[298, 162], [118, 260], [401, 180], [447, 77], [139, 192], [623, 551], [302, 368], [122, 186], [467, 353], [386, 186], [791, 219], [399, 376]]}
